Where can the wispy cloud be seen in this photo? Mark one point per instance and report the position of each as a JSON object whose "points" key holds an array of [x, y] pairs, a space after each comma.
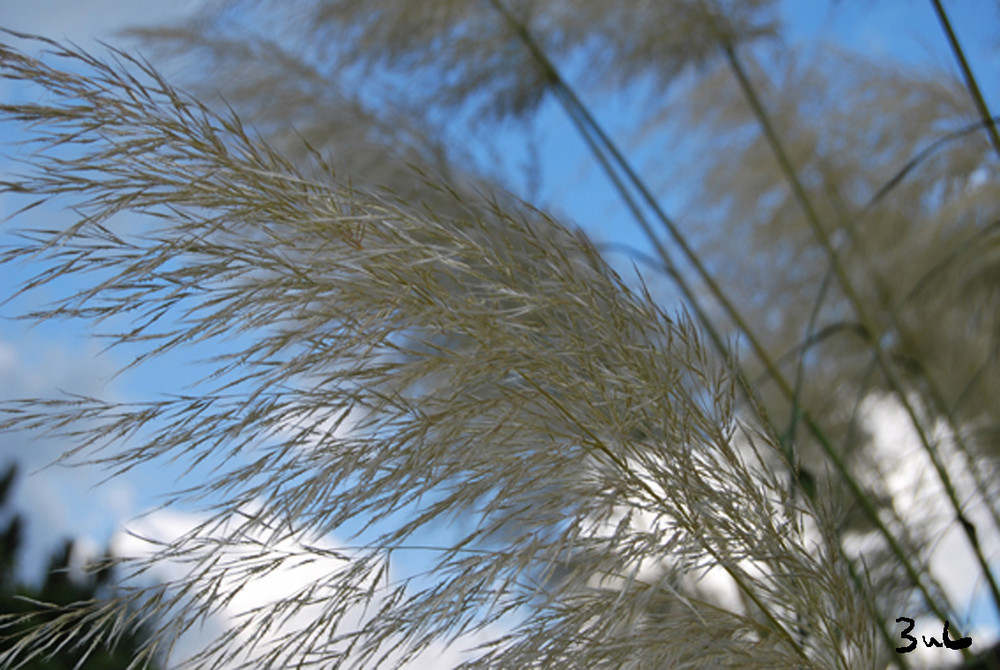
{"points": [[237, 599]]}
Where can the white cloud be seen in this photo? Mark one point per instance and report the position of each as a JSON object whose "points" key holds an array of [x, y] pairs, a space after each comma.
{"points": [[313, 567], [57, 501], [918, 496]]}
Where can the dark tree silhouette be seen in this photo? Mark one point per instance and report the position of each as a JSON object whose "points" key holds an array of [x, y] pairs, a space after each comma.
{"points": [[61, 590]]}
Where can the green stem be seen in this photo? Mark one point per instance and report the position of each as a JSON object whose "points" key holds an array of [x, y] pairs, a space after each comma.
{"points": [[589, 127], [970, 79], [851, 294], [934, 392]]}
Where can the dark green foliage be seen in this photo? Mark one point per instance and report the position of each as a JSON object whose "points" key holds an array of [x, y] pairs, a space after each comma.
{"points": [[62, 588]]}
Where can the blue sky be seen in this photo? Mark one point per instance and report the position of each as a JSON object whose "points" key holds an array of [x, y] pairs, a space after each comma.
{"points": [[45, 359]]}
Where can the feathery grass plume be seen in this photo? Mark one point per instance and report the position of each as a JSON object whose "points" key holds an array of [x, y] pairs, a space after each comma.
{"points": [[368, 142], [909, 249], [868, 185], [397, 369], [924, 239], [461, 51]]}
